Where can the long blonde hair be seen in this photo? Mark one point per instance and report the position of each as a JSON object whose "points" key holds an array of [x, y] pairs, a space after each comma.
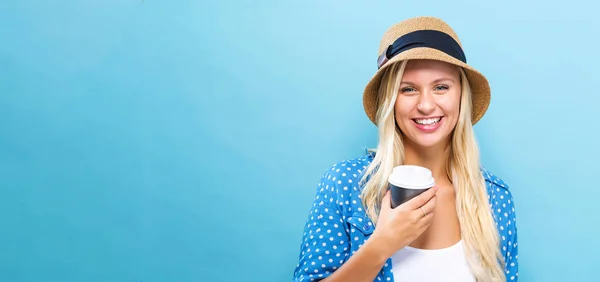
{"points": [[477, 225]]}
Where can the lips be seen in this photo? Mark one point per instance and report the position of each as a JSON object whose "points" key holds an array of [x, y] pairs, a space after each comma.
{"points": [[429, 124], [427, 121]]}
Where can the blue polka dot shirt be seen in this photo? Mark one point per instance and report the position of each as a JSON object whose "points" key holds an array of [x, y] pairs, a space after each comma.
{"points": [[338, 225]]}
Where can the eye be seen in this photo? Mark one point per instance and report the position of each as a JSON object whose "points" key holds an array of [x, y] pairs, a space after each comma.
{"points": [[442, 87], [407, 90]]}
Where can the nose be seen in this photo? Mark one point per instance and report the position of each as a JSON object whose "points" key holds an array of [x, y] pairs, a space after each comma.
{"points": [[426, 104]]}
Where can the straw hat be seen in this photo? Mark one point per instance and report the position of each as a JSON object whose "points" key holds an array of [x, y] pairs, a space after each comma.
{"points": [[425, 38]]}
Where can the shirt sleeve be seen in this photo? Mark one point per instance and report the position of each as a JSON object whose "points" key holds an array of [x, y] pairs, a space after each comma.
{"points": [[511, 242], [325, 242]]}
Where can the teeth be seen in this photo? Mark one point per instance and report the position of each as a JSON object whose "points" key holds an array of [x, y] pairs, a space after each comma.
{"points": [[428, 121]]}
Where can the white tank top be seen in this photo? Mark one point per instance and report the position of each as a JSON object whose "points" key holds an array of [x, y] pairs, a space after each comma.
{"points": [[442, 265]]}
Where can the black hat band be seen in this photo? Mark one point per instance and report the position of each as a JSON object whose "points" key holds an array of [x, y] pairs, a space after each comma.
{"points": [[423, 38]]}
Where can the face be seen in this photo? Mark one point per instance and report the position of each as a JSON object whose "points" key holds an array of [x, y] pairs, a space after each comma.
{"points": [[428, 102]]}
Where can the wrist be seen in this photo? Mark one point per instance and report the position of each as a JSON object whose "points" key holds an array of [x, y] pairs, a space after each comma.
{"points": [[377, 249]]}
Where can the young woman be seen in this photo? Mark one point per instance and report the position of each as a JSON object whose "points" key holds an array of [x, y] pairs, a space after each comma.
{"points": [[424, 99]]}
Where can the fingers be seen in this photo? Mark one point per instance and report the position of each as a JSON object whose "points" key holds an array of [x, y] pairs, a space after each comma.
{"points": [[428, 207], [422, 199], [425, 222], [386, 204]]}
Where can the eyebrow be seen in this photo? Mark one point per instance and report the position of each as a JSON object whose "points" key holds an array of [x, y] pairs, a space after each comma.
{"points": [[435, 81]]}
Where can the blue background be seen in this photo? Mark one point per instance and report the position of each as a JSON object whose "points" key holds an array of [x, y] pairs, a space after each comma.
{"points": [[183, 140]]}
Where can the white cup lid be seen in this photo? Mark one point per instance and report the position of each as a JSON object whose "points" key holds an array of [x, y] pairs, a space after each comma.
{"points": [[411, 177]]}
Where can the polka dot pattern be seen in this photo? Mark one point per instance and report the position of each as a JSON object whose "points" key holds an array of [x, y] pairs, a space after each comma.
{"points": [[337, 225], [503, 204]]}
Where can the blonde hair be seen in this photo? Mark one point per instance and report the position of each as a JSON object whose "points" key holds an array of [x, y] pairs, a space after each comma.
{"points": [[477, 225]]}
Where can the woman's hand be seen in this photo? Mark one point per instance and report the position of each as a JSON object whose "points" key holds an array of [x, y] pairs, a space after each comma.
{"points": [[397, 228]]}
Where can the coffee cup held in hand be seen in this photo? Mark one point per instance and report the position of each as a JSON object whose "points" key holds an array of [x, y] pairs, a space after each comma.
{"points": [[407, 182]]}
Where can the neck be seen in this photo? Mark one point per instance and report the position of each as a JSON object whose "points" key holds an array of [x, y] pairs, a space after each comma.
{"points": [[433, 158]]}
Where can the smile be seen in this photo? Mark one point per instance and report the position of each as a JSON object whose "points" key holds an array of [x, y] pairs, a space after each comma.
{"points": [[428, 125], [428, 121]]}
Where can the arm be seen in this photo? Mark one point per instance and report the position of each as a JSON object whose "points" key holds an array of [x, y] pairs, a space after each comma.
{"points": [[364, 265], [325, 250], [327, 263], [511, 244], [325, 253], [502, 201], [395, 229]]}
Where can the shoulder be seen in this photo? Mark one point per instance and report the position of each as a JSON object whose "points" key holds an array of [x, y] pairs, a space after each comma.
{"points": [[347, 171], [500, 196], [498, 190], [493, 180], [340, 184], [496, 186]]}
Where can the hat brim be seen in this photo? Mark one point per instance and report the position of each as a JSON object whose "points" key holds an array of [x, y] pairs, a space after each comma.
{"points": [[479, 84]]}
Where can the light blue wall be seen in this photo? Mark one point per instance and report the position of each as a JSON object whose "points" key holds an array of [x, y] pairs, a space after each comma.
{"points": [[182, 140]]}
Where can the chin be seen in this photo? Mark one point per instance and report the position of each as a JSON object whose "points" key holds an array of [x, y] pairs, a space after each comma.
{"points": [[428, 140], [429, 143]]}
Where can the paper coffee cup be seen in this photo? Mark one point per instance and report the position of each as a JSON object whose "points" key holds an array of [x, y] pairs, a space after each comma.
{"points": [[408, 181]]}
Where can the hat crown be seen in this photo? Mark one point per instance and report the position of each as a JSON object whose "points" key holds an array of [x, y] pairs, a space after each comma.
{"points": [[415, 24]]}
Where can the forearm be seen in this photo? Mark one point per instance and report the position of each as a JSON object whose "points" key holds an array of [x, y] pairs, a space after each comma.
{"points": [[364, 265]]}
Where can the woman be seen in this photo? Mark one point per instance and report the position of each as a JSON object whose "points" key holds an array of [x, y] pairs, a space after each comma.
{"points": [[424, 99]]}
